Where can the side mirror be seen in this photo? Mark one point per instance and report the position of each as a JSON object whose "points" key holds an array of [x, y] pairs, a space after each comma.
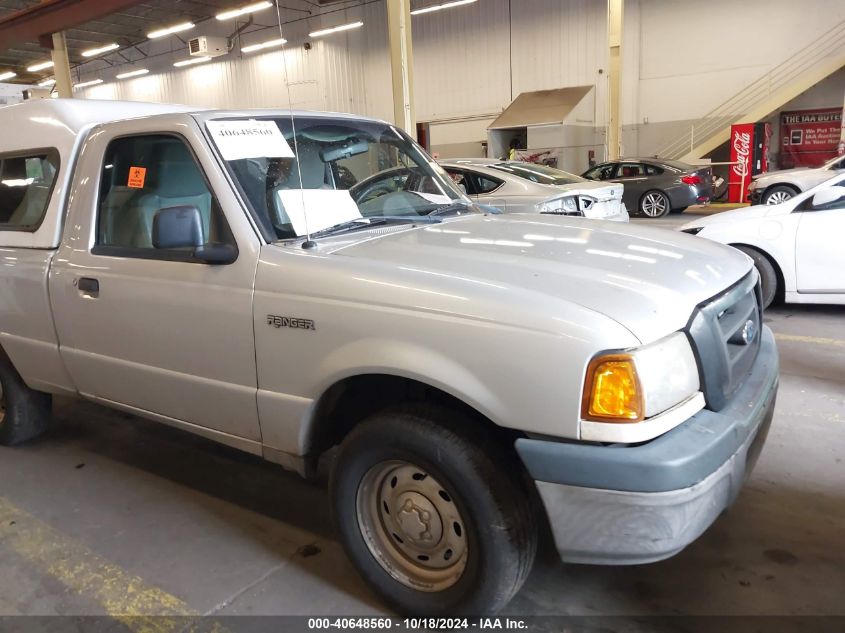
{"points": [[178, 227], [827, 196], [181, 227]]}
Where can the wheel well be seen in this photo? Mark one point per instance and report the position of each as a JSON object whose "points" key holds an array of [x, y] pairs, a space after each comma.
{"points": [[781, 184], [781, 289], [349, 401]]}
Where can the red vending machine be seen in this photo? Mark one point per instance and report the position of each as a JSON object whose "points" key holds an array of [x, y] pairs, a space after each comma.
{"points": [[750, 153]]}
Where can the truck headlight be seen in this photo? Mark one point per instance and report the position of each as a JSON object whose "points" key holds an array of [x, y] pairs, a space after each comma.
{"points": [[561, 206], [637, 384]]}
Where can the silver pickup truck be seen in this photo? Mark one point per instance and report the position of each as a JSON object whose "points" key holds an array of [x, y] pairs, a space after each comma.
{"points": [[293, 283]]}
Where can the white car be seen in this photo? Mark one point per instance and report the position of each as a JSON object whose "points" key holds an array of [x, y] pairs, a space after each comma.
{"points": [[779, 186], [796, 245], [517, 187]]}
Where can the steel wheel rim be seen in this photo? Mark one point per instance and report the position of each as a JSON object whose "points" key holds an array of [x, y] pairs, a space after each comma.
{"points": [[654, 205], [411, 526], [777, 197]]}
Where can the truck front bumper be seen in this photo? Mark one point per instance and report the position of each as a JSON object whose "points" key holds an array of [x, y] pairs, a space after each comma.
{"points": [[626, 505]]}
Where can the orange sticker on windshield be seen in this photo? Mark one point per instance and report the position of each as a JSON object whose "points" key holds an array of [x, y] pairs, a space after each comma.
{"points": [[137, 175]]}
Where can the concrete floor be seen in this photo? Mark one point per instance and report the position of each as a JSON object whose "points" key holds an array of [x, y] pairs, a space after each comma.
{"points": [[110, 514]]}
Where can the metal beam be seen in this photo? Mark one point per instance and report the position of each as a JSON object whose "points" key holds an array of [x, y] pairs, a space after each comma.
{"points": [[401, 64], [40, 21], [615, 10]]}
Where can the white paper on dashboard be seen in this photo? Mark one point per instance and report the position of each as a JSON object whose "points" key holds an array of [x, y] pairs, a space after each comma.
{"points": [[249, 139], [325, 208]]}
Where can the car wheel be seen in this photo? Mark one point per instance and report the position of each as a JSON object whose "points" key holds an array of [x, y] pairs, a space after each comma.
{"points": [[654, 204], [415, 496], [679, 210], [768, 274], [24, 412], [778, 194]]}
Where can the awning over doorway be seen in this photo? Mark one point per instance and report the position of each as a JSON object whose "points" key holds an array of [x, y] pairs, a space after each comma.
{"points": [[540, 107]]}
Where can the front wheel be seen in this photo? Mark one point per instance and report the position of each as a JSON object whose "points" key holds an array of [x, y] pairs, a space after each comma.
{"points": [[654, 204], [430, 513], [768, 275], [778, 194]]}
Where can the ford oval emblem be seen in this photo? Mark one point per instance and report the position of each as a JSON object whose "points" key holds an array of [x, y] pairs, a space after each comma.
{"points": [[749, 331]]}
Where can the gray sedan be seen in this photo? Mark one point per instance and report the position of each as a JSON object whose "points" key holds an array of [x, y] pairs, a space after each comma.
{"points": [[655, 186], [516, 187]]}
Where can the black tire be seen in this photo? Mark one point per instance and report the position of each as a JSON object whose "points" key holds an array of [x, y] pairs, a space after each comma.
{"points": [[768, 274], [475, 474], [24, 412], [778, 194], [679, 210], [654, 204]]}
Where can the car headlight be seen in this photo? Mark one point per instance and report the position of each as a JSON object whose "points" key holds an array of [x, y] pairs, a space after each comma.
{"points": [[637, 384], [693, 230], [561, 206]]}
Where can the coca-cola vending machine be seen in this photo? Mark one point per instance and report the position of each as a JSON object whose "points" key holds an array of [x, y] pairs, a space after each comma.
{"points": [[749, 157]]}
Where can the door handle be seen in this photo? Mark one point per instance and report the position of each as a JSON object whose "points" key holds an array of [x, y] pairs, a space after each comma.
{"points": [[88, 284]]}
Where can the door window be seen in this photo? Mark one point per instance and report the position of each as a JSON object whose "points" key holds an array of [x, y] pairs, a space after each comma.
{"points": [[601, 172], [142, 175], [630, 170], [26, 183]]}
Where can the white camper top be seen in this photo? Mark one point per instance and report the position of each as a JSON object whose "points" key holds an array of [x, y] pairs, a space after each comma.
{"points": [[59, 122]]}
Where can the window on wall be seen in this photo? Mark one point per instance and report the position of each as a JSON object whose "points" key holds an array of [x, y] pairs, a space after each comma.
{"points": [[142, 175], [26, 184]]}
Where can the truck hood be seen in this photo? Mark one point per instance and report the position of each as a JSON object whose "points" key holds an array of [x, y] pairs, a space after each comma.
{"points": [[647, 279]]}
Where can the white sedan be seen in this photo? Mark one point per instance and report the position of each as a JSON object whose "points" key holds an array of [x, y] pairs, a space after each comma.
{"points": [[798, 246]]}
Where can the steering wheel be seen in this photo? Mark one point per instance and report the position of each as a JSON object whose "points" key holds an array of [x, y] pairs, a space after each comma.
{"points": [[381, 184]]}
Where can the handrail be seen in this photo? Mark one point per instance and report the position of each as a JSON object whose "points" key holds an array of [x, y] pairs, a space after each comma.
{"points": [[756, 92]]}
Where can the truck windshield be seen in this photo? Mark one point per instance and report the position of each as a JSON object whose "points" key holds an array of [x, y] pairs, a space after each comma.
{"points": [[312, 174]]}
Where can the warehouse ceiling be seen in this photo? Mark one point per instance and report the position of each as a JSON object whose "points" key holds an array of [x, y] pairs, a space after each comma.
{"points": [[129, 26]]}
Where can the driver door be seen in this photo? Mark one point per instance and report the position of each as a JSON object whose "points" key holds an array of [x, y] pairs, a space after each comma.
{"points": [[143, 326], [819, 255]]}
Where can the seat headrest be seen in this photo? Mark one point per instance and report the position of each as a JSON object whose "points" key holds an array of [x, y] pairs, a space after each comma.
{"points": [[311, 165], [14, 169], [178, 174]]}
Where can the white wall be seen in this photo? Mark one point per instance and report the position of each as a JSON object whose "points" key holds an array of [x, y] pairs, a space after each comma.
{"points": [[681, 58]]}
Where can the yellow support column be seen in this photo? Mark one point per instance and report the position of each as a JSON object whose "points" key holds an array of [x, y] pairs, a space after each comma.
{"points": [[401, 64], [615, 9], [61, 66]]}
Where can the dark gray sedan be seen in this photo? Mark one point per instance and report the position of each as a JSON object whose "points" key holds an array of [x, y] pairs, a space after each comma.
{"points": [[655, 186]]}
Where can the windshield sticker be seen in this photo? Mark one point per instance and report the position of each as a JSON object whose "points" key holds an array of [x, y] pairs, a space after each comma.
{"points": [[325, 208], [249, 139], [137, 176]]}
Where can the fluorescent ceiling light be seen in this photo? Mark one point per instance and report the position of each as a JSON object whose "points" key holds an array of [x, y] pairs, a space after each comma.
{"points": [[47, 83], [93, 52], [342, 27], [85, 84], [192, 61], [263, 45], [133, 73], [250, 8], [445, 5], [41, 66], [7, 75], [176, 28]]}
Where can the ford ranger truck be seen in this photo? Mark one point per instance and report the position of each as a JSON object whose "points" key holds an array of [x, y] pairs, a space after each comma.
{"points": [[287, 283]]}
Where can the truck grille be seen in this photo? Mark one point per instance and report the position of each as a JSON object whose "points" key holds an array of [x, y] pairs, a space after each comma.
{"points": [[725, 333]]}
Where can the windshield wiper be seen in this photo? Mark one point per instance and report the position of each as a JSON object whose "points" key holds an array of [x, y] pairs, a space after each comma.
{"points": [[455, 207], [367, 223]]}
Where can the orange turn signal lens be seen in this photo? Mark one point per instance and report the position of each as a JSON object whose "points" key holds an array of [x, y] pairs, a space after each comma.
{"points": [[612, 391]]}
